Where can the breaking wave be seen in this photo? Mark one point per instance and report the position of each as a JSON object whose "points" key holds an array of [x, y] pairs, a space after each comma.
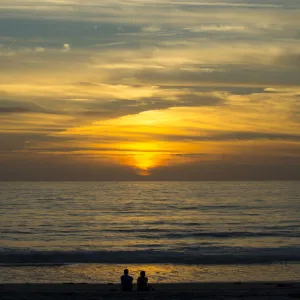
{"points": [[237, 256]]}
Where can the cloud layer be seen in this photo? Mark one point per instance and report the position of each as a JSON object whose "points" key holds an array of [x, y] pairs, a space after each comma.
{"points": [[120, 89]]}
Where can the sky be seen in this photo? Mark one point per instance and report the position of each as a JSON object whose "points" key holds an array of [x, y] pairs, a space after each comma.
{"points": [[149, 90]]}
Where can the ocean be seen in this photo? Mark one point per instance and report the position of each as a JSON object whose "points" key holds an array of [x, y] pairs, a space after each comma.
{"points": [[175, 231]]}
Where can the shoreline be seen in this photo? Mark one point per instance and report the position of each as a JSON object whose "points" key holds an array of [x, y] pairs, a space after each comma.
{"points": [[180, 291]]}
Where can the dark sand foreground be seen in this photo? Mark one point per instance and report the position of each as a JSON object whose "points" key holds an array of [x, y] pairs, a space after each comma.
{"points": [[181, 291]]}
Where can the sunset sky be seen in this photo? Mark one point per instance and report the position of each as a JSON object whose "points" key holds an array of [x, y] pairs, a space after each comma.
{"points": [[149, 89]]}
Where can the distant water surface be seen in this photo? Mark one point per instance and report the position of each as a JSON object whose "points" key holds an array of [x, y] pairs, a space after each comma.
{"points": [[204, 227]]}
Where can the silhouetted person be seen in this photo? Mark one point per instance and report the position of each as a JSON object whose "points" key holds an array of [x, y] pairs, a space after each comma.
{"points": [[142, 282], [126, 281]]}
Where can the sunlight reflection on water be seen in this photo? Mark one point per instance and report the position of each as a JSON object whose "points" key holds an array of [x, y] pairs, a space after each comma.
{"points": [[190, 224], [157, 273]]}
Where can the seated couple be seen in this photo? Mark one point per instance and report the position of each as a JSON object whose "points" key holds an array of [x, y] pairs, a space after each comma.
{"points": [[142, 282]]}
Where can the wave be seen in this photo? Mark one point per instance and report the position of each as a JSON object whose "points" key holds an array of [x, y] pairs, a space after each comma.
{"points": [[238, 256], [170, 234], [150, 233], [232, 234]]}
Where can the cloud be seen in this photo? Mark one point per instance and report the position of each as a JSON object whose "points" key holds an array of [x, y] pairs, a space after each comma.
{"points": [[284, 90], [197, 82], [9, 110], [8, 106], [151, 29], [40, 49], [154, 12], [113, 44], [233, 136], [289, 59], [66, 48], [101, 100], [225, 170], [123, 107], [220, 27], [230, 76], [53, 167], [15, 141], [62, 167]]}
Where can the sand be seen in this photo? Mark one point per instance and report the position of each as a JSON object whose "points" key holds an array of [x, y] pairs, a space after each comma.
{"points": [[182, 291]]}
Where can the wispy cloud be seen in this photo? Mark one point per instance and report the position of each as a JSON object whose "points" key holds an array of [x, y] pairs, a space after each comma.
{"points": [[150, 86], [66, 48]]}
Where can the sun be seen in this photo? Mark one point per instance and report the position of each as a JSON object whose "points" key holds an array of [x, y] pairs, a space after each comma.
{"points": [[144, 156], [144, 162]]}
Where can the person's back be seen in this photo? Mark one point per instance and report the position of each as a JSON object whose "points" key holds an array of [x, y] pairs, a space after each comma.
{"points": [[142, 282], [126, 281]]}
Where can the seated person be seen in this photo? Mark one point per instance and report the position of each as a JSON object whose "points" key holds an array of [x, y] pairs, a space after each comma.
{"points": [[142, 282], [126, 281]]}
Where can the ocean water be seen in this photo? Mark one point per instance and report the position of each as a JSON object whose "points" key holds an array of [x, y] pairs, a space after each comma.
{"points": [[176, 231]]}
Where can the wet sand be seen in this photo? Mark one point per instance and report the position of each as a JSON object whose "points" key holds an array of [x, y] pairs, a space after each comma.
{"points": [[181, 291]]}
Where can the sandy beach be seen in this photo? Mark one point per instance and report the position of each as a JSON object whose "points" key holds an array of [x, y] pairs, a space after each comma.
{"points": [[271, 290]]}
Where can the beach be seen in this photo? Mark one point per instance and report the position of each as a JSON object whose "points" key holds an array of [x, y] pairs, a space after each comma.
{"points": [[237, 290]]}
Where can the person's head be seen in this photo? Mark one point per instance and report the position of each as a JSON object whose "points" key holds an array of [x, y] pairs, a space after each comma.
{"points": [[143, 273], [126, 271]]}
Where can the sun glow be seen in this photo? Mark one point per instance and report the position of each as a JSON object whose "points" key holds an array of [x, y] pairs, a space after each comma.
{"points": [[144, 156], [144, 161]]}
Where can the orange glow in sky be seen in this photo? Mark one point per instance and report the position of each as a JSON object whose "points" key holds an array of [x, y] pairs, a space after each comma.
{"points": [[138, 89]]}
